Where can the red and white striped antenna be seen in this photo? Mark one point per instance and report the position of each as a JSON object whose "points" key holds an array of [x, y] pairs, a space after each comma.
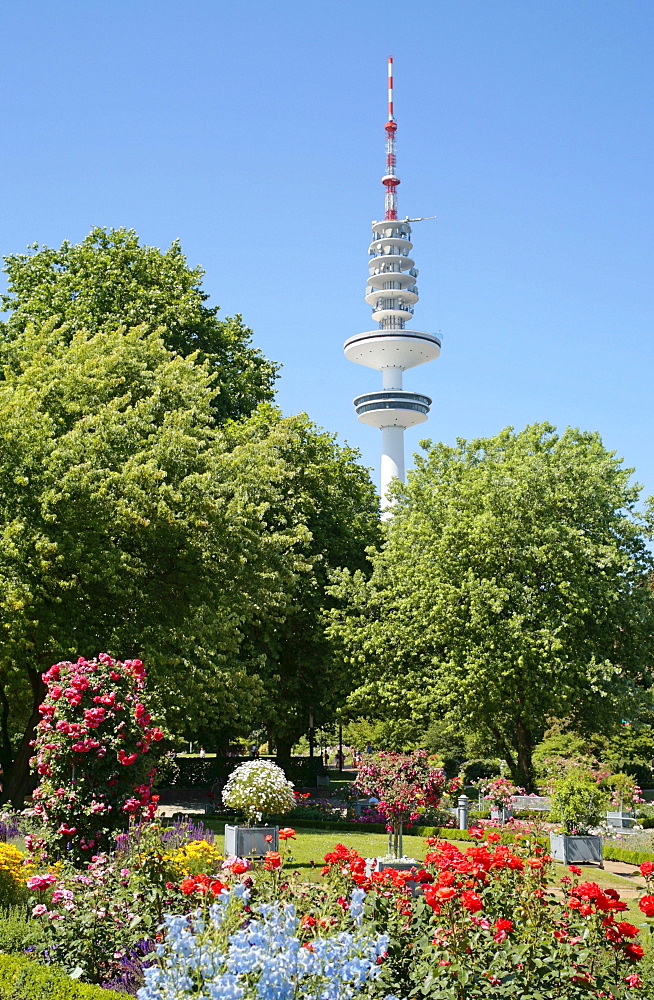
{"points": [[390, 180]]}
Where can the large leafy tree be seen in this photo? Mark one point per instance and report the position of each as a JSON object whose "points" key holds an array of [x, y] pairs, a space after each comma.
{"points": [[128, 522], [512, 589], [111, 280], [153, 504], [325, 489]]}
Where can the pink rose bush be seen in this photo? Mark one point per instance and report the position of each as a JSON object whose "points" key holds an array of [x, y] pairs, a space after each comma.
{"points": [[406, 784], [91, 755]]}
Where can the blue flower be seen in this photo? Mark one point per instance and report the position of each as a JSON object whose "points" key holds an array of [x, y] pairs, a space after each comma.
{"points": [[263, 960]]}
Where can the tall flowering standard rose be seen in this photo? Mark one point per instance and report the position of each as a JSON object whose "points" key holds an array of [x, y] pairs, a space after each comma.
{"points": [[405, 784], [499, 791], [91, 754]]}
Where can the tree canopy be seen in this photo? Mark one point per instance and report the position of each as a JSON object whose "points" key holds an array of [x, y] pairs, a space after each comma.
{"points": [[512, 589], [325, 489], [126, 522], [111, 280], [154, 504]]}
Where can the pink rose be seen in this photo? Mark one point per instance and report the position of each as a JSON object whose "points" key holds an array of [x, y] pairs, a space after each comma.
{"points": [[41, 882]]}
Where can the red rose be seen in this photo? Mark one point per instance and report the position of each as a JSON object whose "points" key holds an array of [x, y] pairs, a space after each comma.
{"points": [[646, 905]]}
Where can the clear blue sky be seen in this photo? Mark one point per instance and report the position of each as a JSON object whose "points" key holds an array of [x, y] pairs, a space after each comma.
{"points": [[253, 132]]}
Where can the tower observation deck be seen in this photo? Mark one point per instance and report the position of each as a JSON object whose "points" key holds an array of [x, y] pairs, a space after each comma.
{"points": [[392, 293]]}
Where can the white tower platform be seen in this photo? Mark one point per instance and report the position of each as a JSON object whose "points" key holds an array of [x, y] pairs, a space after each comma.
{"points": [[391, 349]]}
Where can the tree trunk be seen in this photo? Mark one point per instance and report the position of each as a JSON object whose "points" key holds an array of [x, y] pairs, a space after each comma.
{"points": [[19, 782], [6, 752], [525, 768], [283, 751]]}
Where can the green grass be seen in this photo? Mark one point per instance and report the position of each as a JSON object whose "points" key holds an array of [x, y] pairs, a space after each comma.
{"points": [[310, 847]]}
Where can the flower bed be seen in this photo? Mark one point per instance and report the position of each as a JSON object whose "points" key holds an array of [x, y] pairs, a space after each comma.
{"points": [[480, 904]]}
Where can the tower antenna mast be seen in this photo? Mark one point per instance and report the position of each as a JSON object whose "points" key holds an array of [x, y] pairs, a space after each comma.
{"points": [[391, 349], [390, 180]]}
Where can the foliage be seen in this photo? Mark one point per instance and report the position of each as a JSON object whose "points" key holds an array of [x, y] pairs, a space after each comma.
{"points": [[625, 792], [22, 978], [101, 921], [404, 784], [19, 932], [327, 490], [258, 788], [92, 919], [512, 588], [165, 514], [263, 959], [128, 523], [483, 925], [399, 735], [579, 802], [624, 854], [110, 280]]}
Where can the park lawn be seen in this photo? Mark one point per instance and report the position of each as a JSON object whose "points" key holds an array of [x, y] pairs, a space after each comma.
{"points": [[310, 846]]}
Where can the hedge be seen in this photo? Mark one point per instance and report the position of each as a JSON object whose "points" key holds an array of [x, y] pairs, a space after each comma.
{"points": [[207, 772], [22, 978], [628, 857], [350, 826], [445, 833]]}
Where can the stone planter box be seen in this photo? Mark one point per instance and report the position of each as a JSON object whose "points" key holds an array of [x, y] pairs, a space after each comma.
{"points": [[571, 850], [621, 820], [501, 813], [250, 841], [399, 864]]}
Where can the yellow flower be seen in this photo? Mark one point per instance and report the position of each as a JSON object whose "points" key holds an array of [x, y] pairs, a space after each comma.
{"points": [[197, 858], [12, 874]]}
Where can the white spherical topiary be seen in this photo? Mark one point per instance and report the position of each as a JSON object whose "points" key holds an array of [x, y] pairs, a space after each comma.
{"points": [[258, 788]]}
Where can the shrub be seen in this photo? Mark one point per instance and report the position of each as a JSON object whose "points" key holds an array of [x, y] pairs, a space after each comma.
{"points": [[22, 978], [578, 801], [258, 788], [91, 751], [405, 784], [485, 925], [94, 919], [18, 931]]}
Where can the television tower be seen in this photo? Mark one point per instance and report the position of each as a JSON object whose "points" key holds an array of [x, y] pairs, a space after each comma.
{"points": [[392, 293]]}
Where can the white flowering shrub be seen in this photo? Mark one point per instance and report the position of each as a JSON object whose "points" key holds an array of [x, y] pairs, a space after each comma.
{"points": [[258, 788]]}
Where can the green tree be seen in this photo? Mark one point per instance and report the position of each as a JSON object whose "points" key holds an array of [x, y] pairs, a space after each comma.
{"points": [[512, 589], [325, 490], [128, 523], [110, 280]]}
